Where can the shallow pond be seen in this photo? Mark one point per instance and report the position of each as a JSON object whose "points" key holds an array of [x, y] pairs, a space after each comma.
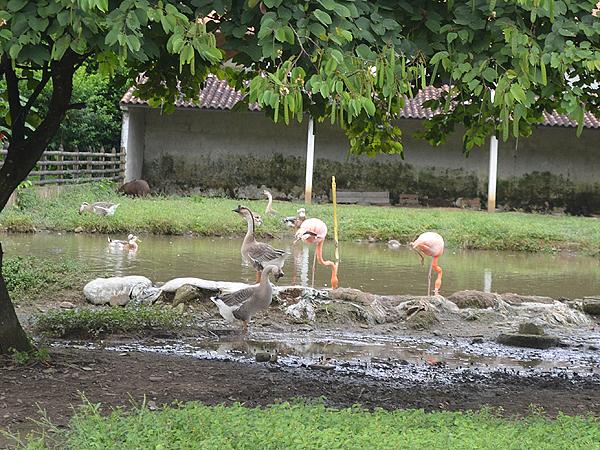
{"points": [[369, 267], [386, 357]]}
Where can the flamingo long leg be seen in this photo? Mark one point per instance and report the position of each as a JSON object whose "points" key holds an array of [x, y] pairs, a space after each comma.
{"points": [[438, 281], [314, 266], [429, 280]]}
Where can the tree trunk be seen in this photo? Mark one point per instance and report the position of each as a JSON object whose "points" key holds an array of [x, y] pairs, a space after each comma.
{"points": [[23, 154], [12, 335]]}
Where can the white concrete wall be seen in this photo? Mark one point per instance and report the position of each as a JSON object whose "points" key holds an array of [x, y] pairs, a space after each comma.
{"points": [[187, 134], [132, 139]]}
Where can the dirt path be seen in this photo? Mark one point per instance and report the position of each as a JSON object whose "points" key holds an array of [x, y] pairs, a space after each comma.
{"points": [[115, 379]]}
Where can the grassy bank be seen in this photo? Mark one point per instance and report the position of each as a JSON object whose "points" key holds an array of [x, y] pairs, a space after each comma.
{"points": [[32, 278], [92, 323], [213, 217], [303, 426]]}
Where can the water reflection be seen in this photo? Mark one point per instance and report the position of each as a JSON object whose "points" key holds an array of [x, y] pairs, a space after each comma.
{"points": [[370, 267]]}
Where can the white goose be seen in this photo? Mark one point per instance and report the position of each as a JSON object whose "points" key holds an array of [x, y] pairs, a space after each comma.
{"points": [[100, 208]]}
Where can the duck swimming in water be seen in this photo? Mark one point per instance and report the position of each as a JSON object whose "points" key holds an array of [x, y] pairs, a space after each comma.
{"points": [[131, 244]]}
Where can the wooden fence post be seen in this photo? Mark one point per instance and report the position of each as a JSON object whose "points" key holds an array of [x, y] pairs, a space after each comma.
{"points": [[115, 164], [122, 165], [76, 165], [90, 166], [60, 167]]}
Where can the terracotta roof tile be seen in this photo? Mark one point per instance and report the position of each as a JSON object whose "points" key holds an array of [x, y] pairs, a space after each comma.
{"points": [[218, 95]]}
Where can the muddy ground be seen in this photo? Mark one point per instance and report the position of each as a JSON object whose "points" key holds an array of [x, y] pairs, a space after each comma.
{"points": [[424, 369], [117, 379]]}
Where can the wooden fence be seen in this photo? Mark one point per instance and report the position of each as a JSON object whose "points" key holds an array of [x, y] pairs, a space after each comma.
{"points": [[60, 166]]}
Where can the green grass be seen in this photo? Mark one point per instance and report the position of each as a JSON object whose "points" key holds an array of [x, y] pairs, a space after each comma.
{"points": [[102, 321], [213, 217], [32, 278], [302, 426]]}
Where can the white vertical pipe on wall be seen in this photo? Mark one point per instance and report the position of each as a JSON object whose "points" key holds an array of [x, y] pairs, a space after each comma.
{"points": [[310, 156], [493, 171], [124, 139]]}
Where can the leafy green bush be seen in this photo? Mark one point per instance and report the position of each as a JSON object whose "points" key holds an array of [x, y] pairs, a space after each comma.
{"points": [[98, 122], [97, 322], [31, 277], [314, 426]]}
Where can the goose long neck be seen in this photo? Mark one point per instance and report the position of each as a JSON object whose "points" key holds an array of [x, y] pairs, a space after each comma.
{"points": [[250, 230], [265, 285]]}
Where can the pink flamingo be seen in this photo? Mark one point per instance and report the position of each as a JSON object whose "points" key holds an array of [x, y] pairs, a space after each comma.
{"points": [[431, 244], [314, 231]]}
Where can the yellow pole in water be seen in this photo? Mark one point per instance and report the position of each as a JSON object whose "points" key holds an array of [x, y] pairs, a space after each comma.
{"points": [[335, 223]]}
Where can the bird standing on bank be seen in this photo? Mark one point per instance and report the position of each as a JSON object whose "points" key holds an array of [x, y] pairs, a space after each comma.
{"points": [[295, 221], [245, 303], [100, 208], [269, 209]]}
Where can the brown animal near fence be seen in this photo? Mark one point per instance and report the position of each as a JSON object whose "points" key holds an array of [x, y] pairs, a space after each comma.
{"points": [[135, 188]]}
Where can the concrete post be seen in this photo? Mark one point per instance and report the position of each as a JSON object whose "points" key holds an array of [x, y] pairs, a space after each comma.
{"points": [[124, 142], [310, 155], [493, 170], [493, 174]]}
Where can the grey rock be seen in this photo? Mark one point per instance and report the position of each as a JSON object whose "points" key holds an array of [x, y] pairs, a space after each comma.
{"points": [[531, 328], [265, 357], [591, 305], [66, 305], [516, 299], [528, 340], [422, 320], [474, 299]]}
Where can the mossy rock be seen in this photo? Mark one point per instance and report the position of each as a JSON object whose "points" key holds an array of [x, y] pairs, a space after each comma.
{"points": [[473, 299], [422, 320], [528, 340], [531, 328], [192, 294], [591, 305]]}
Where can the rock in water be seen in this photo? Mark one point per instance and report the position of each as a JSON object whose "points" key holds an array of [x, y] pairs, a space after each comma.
{"points": [[528, 340], [591, 305], [265, 357]]}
